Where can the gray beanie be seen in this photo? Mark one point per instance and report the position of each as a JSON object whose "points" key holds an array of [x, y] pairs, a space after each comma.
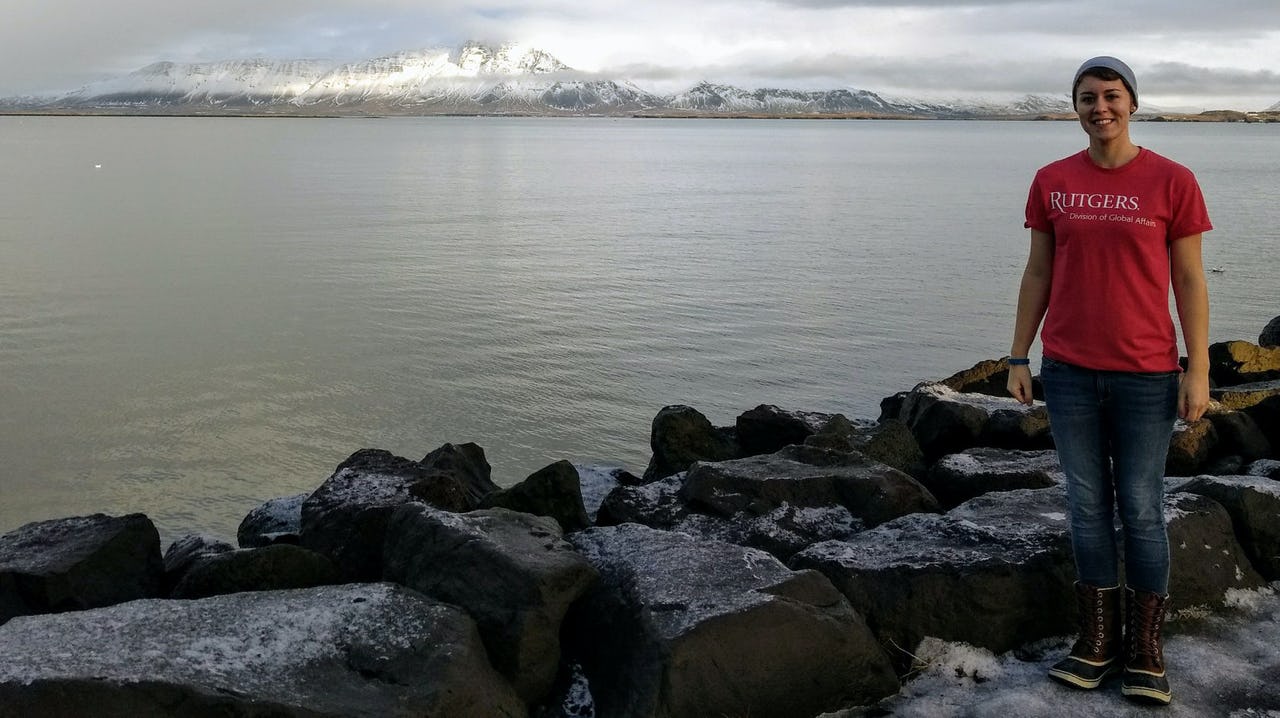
{"points": [[1109, 63]]}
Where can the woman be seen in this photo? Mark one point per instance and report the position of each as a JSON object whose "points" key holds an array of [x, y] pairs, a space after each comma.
{"points": [[1112, 227]]}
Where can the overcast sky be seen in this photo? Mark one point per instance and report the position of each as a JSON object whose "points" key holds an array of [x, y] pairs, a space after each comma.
{"points": [[1187, 53]]}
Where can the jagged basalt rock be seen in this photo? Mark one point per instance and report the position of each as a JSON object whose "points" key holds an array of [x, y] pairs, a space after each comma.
{"points": [[343, 651], [268, 568], [277, 520], [79, 563], [1270, 336], [1244, 396], [945, 421], [1237, 362], [1206, 559], [956, 478], [554, 491], [681, 435], [1253, 502], [685, 627], [889, 441], [766, 428], [345, 519], [995, 572], [1190, 447], [512, 572], [187, 552]]}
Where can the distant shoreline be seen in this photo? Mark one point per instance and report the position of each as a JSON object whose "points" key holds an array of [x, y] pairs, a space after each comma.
{"points": [[1233, 116]]}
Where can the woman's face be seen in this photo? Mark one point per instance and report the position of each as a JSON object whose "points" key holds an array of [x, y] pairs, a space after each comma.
{"points": [[1104, 107]]}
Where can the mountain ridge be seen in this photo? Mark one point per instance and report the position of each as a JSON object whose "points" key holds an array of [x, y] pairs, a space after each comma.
{"points": [[476, 78]]}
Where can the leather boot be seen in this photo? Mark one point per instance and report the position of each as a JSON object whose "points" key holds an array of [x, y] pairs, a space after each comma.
{"points": [[1144, 676], [1097, 651]]}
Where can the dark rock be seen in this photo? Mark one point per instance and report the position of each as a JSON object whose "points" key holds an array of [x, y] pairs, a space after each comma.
{"points": [[956, 478], [1190, 447], [1253, 502], [464, 466], [656, 504], [1237, 362], [807, 478], [185, 553], [1269, 468], [275, 521], [269, 568], [512, 572], [78, 563], [995, 572], [990, 377], [685, 627], [1225, 466], [554, 491], [680, 436], [1270, 336], [1244, 396], [597, 480], [356, 650], [1266, 415], [345, 519], [1239, 435], [766, 429], [782, 531], [889, 441], [945, 421], [1206, 558]]}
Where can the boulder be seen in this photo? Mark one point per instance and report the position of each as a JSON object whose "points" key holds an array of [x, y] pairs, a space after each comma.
{"points": [[512, 572], [78, 563], [889, 441], [1238, 435], [804, 477], [185, 553], [1253, 502], [995, 572], [275, 521], [680, 436], [990, 377], [1206, 558], [1190, 447], [1269, 468], [345, 519], [1244, 396], [956, 478], [1270, 336], [597, 480], [554, 491], [766, 428], [656, 504], [683, 627], [945, 421], [269, 568], [1237, 362], [1266, 415], [355, 650]]}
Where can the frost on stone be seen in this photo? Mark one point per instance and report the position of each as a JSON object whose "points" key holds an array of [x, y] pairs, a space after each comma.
{"points": [[682, 579], [283, 644]]}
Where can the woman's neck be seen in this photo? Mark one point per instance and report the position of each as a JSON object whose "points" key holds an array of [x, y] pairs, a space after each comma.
{"points": [[1113, 154]]}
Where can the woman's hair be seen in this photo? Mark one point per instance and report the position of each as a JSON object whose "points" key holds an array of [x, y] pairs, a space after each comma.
{"points": [[1102, 73]]}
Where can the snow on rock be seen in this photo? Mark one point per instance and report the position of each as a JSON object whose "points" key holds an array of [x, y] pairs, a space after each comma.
{"points": [[353, 650], [687, 626]]}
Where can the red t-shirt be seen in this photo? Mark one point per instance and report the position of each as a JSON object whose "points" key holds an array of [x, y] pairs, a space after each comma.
{"points": [[1109, 298]]}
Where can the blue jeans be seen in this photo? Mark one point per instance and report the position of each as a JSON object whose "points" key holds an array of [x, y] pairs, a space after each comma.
{"points": [[1112, 431]]}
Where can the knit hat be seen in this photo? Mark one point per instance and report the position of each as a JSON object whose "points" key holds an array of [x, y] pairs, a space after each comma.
{"points": [[1110, 63]]}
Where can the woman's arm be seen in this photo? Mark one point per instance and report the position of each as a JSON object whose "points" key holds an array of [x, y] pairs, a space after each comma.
{"points": [[1033, 300], [1191, 295]]}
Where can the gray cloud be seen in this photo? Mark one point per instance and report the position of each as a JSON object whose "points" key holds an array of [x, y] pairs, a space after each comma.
{"points": [[1186, 49]]}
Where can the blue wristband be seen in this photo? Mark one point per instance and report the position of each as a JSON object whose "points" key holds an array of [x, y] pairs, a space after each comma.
{"points": [[1019, 361]]}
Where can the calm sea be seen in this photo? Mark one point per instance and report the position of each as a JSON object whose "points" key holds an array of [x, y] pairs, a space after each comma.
{"points": [[200, 314]]}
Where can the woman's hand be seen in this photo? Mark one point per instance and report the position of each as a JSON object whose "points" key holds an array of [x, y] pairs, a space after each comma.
{"points": [[1020, 383], [1193, 396]]}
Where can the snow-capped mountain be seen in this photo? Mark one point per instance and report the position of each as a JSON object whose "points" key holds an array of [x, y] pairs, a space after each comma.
{"points": [[472, 79]]}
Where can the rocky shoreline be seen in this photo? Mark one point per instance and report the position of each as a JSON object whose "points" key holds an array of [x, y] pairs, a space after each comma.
{"points": [[789, 565]]}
